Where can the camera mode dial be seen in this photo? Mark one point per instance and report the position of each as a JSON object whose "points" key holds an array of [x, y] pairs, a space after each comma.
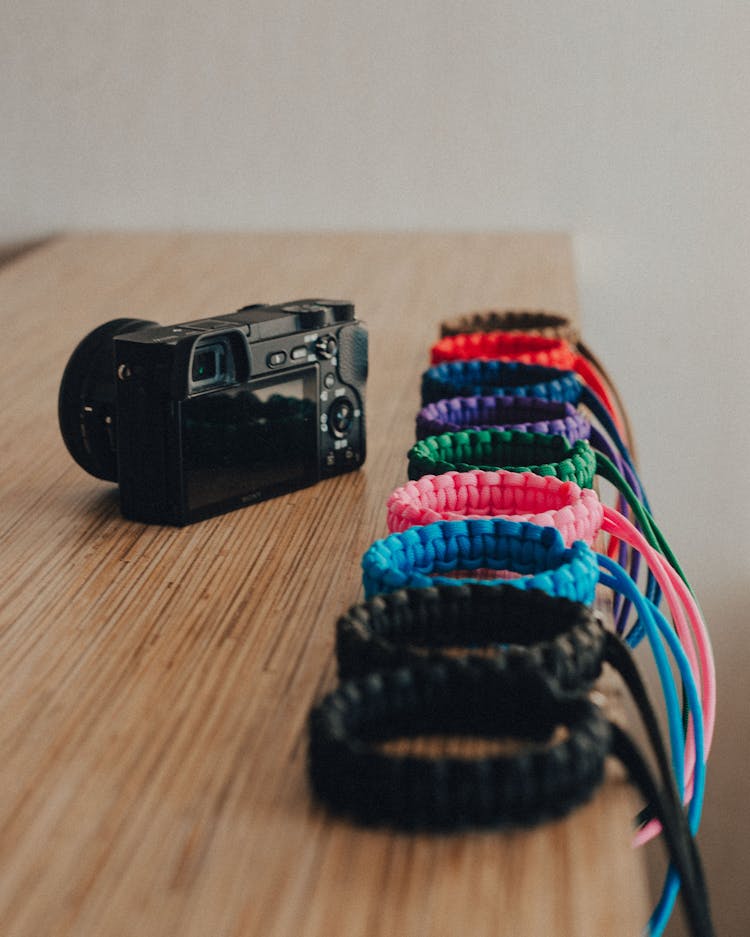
{"points": [[310, 315]]}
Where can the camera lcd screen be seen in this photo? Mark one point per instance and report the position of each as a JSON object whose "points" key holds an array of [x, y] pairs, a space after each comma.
{"points": [[250, 441]]}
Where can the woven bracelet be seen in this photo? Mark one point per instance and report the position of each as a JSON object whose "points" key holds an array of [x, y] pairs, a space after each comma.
{"points": [[527, 628], [417, 557], [521, 496], [352, 771], [498, 379], [507, 346], [542, 322], [528, 414], [491, 449]]}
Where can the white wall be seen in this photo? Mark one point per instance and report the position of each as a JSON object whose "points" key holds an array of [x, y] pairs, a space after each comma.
{"points": [[624, 122]]}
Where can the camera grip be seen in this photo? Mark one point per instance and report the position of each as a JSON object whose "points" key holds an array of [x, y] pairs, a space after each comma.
{"points": [[353, 343]]}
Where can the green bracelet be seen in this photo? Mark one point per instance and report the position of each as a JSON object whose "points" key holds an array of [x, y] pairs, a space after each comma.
{"points": [[491, 449]]}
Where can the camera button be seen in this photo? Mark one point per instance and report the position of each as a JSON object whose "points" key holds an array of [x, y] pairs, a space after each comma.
{"points": [[329, 380], [298, 353], [275, 359]]}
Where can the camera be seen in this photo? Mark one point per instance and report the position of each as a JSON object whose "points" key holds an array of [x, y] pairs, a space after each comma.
{"points": [[200, 418]]}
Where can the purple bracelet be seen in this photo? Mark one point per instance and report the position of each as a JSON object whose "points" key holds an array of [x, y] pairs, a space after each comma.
{"points": [[531, 414]]}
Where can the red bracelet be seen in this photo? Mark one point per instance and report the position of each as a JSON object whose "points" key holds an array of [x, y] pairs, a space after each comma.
{"points": [[528, 349]]}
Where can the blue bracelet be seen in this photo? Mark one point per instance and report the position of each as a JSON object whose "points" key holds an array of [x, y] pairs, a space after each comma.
{"points": [[415, 558], [479, 378]]}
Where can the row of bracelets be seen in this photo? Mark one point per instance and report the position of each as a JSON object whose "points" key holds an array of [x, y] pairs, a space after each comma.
{"points": [[479, 616]]}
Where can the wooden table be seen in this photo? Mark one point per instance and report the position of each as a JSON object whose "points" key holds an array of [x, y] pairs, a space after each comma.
{"points": [[155, 682]]}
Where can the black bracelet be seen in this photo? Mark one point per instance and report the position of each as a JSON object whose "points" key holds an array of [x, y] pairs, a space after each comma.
{"points": [[521, 629], [353, 775], [528, 628]]}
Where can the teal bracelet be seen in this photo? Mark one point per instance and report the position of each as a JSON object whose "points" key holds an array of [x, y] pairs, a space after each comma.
{"points": [[416, 557]]}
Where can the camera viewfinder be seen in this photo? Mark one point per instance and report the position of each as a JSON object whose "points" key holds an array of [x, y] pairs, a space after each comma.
{"points": [[212, 365]]}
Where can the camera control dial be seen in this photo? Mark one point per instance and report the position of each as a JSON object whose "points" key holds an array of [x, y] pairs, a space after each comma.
{"points": [[340, 417], [326, 347]]}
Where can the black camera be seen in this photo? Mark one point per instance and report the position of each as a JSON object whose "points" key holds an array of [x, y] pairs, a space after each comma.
{"points": [[203, 417]]}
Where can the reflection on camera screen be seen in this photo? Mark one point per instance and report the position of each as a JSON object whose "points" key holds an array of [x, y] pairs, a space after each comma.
{"points": [[251, 440]]}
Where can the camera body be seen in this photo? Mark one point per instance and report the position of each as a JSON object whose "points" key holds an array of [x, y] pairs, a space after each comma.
{"points": [[211, 415]]}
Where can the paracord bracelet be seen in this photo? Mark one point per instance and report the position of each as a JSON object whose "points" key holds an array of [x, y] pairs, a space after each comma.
{"points": [[529, 414], [493, 449], [540, 322], [417, 557], [498, 379], [525, 627], [352, 773], [512, 378], [549, 324], [527, 348], [521, 496]]}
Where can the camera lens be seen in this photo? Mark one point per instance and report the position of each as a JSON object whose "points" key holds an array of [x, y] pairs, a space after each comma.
{"points": [[86, 403], [204, 366], [340, 417]]}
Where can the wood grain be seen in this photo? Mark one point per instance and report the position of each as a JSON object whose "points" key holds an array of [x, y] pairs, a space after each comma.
{"points": [[155, 682]]}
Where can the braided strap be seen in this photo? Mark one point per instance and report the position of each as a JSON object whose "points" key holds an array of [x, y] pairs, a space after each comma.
{"points": [[511, 346], [498, 379], [529, 414], [549, 324], [493, 449], [416, 557], [527, 628], [520, 496], [354, 774]]}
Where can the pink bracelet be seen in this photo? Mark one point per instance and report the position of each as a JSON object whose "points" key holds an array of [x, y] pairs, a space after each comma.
{"points": [[522, 496], [579, 515]]}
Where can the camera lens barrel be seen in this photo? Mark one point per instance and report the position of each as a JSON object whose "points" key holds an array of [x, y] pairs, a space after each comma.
{"points": [[86, 402]]}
